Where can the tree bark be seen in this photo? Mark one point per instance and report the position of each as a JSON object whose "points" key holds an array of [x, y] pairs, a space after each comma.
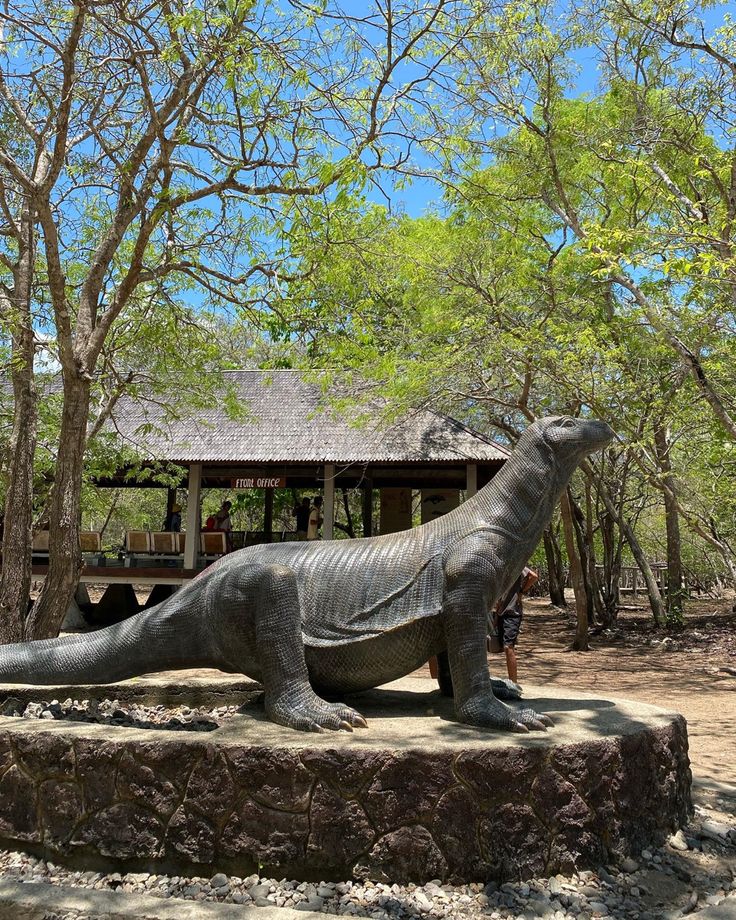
{"points": [[580, 643], [655, 597], [675, 590], [15, 582], [583, 551], [554, 569], [65, 557], [593, 582], [610, 582], [348, 516]]}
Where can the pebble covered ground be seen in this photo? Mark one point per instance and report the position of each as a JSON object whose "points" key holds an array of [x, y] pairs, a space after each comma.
{"points": [[696, 868], [113, 712]]}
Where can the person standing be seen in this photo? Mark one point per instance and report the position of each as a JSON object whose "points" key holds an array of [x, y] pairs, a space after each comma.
{"points": [[315, 519], [173, 521], [223, 522], [302, 513], [222, 518], [507, 618]]}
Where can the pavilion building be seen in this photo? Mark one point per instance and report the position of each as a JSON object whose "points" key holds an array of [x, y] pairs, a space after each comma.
{"points": [[288, 435]]}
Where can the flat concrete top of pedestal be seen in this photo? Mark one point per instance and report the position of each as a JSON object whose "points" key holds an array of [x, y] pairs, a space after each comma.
{"points": [[404, 715]]}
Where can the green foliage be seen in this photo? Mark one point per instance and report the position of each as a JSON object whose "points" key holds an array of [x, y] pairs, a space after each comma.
{"points": [[511, 305]]}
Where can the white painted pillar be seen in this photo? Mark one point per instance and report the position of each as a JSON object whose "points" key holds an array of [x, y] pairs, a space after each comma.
{"points": [[471, 479], [328, 512], [194, 516]]}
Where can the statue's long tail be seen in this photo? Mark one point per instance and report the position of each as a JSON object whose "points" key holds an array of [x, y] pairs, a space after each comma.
{"points": [[149, 641]]}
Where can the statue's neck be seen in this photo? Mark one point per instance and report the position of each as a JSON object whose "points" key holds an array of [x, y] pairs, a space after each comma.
{"points": [[521, 497]]}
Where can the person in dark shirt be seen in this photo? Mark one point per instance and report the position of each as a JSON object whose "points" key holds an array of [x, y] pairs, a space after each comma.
{"points": [[315, 518], [301, 513], [507, 619], [173, 520]]}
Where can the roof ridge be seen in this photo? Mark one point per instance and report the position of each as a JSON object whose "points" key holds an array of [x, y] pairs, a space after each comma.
{"points": [[471, 430]]}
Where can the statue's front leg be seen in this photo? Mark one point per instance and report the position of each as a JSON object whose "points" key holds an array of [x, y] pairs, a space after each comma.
{"points": [[468, 591], [290, 699]]}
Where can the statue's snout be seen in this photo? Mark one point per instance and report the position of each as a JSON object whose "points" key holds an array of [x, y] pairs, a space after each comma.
{"points": [[598, 433]]}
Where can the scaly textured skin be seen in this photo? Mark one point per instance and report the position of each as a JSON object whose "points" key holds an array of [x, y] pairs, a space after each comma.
{"points": [[339, 616]]}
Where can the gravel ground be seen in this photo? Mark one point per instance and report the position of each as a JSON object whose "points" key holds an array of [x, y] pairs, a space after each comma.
{"points": [[112, 712], [695, 869]]}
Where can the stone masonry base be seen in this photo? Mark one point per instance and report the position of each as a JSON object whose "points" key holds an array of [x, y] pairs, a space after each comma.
{"points": [[415, 797]]}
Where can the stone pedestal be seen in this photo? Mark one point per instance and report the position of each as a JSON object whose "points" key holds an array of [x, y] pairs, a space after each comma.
{"points": [[415, 797]]}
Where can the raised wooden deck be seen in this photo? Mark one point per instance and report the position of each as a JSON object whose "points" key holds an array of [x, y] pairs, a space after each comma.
{"points": [[130, 575]]}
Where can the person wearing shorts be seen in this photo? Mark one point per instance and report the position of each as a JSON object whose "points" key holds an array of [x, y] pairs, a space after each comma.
{"points": [[507, 619]]}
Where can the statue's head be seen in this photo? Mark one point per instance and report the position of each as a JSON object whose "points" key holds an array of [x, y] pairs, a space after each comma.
{"points": [[569, 439]]}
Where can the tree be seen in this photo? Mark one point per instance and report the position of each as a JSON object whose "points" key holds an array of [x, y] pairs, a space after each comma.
{"points": [[181, 142], [567, 276], [480, 310], [595, 163]]}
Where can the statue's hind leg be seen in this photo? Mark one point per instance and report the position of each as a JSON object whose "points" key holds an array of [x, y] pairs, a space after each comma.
{"points": [[290, 699]]}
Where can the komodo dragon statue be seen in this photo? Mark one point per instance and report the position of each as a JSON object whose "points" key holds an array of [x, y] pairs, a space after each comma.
{"points": [[343, 615]]}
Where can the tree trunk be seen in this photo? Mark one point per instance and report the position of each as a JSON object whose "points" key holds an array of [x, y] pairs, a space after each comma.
{"points": [[611, 569], [580, 643], [346, 504], [655, 598], [65, 557], [583, 551], [593, 581], [15, 582], [15, 586], [675, 591], [554, 569], [607, 584]]}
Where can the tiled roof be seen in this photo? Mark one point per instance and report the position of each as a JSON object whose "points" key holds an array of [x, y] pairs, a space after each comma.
{"points": [[286, 421]]}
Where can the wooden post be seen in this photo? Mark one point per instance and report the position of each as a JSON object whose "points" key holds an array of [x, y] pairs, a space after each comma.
{"points": [[268, 516], [328, 508], [194, 517], [471, 479], [367, 510], [170, 501]]}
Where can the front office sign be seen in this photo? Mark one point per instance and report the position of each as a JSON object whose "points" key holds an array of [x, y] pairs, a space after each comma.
{"points": [[259, 482]]}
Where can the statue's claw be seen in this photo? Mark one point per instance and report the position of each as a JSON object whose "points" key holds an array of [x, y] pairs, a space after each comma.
{"points": [[535, 721], [305, 711], [486, 711], [350, 719]]}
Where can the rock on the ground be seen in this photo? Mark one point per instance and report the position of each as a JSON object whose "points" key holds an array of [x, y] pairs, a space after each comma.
{"points": [[677, 841]]}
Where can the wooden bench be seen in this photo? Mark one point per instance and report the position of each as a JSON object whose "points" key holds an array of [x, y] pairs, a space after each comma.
{"points": [[213, 543], [90, 541], [138, 542], [41, 541], [164, 543], [170, 544]]}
